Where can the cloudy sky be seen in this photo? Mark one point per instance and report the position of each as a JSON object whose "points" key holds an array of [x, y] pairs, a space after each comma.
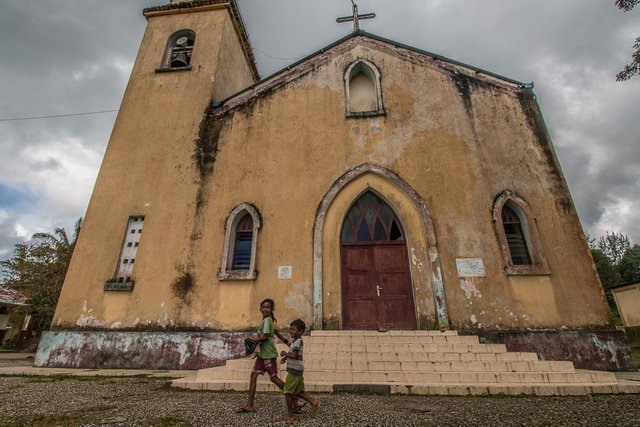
{"points": [[75, 56]]}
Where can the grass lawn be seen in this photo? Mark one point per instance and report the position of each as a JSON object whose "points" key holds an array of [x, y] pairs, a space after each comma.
{"points": [[636, 355]]}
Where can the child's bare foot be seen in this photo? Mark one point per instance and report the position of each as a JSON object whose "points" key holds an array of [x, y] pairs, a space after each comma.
{"points": [[288, 418], [314, 407]]}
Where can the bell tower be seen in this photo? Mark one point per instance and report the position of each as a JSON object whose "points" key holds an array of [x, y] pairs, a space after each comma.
{"points": [[191, 53]]}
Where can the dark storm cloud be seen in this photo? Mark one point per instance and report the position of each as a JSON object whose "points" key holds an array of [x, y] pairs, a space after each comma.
{"points": [[69, 56], [571, 49]]}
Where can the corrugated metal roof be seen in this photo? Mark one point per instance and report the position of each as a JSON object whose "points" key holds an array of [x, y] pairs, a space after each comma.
{"points": [[10, 296]]}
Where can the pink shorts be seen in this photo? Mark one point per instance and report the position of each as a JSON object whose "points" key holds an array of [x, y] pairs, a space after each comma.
{"points": [[269, 366]]}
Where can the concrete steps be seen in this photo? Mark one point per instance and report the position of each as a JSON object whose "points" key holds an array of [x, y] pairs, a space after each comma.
{"points": [[417, 362]]}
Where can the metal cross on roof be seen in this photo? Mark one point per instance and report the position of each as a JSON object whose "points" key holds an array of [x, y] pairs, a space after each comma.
{"points": [[356, 18]]}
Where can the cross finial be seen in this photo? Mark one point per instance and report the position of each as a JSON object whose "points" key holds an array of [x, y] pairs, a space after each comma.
{"points": [[356, 18]]}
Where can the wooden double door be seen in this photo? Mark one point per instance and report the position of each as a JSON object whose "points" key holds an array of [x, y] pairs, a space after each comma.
{"points": [[376, 282]]}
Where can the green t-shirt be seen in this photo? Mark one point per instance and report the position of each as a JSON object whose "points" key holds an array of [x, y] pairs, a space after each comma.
{"points": [[267, 348]]}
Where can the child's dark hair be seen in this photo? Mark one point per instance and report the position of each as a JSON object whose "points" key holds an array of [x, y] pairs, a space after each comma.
{"points": [[273, 307], [299, 325]]}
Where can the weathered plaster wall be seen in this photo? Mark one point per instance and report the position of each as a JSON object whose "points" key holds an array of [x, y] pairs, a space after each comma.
{"points": [[149, 170], [137, 350], [458, 144], [606, 350], [456, 141], [628, 301]]}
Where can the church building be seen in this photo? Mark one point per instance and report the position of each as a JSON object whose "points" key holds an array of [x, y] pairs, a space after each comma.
{"points": [[371, 185]]}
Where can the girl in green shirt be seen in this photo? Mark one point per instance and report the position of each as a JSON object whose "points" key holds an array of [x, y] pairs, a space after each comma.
{"points": [[266, 362]]}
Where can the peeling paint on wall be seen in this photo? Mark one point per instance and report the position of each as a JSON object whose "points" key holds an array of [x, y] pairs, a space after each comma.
{"points": [[202, 323], [469, 288], [606, 347], [415, 260], [164, 317], [587, 349], [138, 350], [299, 300], [88, 321]]}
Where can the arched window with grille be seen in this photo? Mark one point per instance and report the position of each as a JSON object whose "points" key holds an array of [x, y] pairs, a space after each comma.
{"points": [[370, 219], [362, 89], [177, 55], [518, 235], [243, 244], [241, 232]]}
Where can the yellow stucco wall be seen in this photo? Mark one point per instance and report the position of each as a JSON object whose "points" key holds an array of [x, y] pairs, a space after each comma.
{"points": [[628, 301], [148, 170], [456, 143]]}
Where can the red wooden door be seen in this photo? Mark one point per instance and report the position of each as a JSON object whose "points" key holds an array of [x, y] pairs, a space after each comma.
{"points": [[376, 283], [376, 287]]}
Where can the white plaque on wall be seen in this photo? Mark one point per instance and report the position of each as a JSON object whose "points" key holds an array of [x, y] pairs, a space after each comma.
{"points": [[470, 267], [284, 272]]}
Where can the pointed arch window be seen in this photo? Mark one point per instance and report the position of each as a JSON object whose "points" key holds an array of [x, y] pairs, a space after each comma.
{"points": [[371, 219], [177, 55], [243, 245], [241, 235], [363, 90], [518, 235], [516, 241]]}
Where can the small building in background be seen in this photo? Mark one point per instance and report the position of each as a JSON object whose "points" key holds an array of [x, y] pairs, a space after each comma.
{"points": [[11, 319], [627, 296]]}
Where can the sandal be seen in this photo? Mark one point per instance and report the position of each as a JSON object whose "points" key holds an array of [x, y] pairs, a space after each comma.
{"points": [[298, 408]]}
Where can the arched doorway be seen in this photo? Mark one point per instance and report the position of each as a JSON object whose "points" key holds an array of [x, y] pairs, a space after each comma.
{"points": [[376, 280]]}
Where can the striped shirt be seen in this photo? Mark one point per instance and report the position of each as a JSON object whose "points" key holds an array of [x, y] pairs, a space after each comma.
{"points": [[296, 366]]}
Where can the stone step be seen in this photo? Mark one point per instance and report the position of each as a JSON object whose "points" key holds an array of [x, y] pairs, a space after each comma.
{"points": [[417, 362], [458, 389], [245, 365], [393, 340], [332, 348], [422, 357], [326, 333], [415, 376]]}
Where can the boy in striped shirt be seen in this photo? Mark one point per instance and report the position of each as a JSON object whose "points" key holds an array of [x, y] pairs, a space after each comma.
{"points": [[294, 384]]}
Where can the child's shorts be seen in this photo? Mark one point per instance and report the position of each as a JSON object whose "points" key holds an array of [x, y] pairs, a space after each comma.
{"points": [[268, 366], [294, 384]]}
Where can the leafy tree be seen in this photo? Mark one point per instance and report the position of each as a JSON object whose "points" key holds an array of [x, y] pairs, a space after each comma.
{"points": [[37, 269], [613, 245], [608, 277], [606, 270], [629, 265], [633, 68]]}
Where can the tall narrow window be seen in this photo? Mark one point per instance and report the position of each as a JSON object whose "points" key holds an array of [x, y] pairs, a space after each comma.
{"points": [[362, 88], [244, 239], [178, 51], [123, 280], [241, 232], [518, 235], [515, 237]]}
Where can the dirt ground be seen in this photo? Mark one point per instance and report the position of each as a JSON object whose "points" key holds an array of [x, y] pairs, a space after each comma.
{"points": [[142, 401]]}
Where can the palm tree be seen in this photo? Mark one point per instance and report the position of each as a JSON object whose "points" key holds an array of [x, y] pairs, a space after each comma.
{"points": [[37, 269]]}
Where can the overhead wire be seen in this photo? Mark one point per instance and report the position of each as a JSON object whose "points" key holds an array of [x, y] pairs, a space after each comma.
{"points": [[57, 115]]}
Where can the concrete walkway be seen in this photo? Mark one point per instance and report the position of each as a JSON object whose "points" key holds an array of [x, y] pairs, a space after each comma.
{"points": [[25, 366]]}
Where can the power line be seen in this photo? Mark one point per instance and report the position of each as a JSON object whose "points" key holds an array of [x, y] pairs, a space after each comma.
{"points": [[275, 57], [57, 115]]}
